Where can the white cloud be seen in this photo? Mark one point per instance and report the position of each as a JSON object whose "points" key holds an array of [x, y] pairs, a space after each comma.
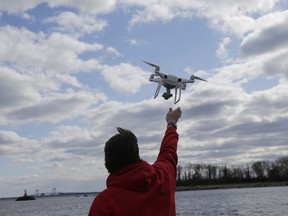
{"points": [[27, 98], [18, 6], [13, 145], [232, 24], [133, 42], [234, 17], [125, 77], [268, 36], [11, 98], [113, 51], [55, 107], [277, 65], [26, 160], [57, 53], [66, 145], [222, 52], [267, 44], [228, 16], [226, 123], [35, 70], [91, 6], [77, 24], [67, 79]]}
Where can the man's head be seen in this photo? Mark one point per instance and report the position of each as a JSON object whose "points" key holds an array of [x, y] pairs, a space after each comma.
{"points": [[121, 150]]}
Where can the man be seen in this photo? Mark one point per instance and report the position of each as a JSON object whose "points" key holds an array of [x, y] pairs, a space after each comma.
{"points": [[134, 187]]}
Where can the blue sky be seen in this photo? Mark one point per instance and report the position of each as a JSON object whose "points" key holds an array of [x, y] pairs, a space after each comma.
{"points": [[71, 72]]}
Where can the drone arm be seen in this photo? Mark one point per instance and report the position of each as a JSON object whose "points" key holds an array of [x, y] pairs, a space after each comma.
{"points": [[192, 79], [162, 75], [198, 78], [157, 70]]}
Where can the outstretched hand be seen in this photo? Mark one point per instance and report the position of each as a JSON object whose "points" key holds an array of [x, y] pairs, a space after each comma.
{"points": [[173, 115]]}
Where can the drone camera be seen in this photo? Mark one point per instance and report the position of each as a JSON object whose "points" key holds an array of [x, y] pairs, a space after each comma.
{"points": [[166, 95]]}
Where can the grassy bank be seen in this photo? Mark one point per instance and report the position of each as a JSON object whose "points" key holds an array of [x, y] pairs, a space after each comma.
{"points": [[229, 186]]}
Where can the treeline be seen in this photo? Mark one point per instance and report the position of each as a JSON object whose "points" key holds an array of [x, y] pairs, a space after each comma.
{"points": [[208, 174]]}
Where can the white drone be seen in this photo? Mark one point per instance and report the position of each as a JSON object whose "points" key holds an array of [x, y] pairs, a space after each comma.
{"points": [[169, 82]]}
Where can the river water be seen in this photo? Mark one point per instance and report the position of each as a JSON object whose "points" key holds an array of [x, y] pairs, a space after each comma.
{"points": [[269, 201]]}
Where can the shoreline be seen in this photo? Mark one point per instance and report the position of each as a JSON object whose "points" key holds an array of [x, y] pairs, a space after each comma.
{"points": [[231, 186]]}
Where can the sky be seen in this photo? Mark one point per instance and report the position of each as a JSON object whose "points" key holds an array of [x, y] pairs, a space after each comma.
{"points": [[73, 71]]}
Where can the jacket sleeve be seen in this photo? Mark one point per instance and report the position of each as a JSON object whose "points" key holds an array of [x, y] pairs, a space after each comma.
{"points": [[167, 157], [100, 207]]}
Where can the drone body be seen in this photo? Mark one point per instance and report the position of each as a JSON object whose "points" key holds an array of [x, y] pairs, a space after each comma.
{"points": [[170, 82]]}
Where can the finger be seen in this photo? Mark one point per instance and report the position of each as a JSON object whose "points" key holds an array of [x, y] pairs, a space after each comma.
{"points": [[178, 110]]}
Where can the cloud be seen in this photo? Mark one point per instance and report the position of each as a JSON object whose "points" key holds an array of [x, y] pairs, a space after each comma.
{"points": [[226, 16], [18, 6], [25, 98], [69, 136], [27, 160], [13, 145], [77, 24], [133, 41], [125, 77], [277, 65], [153, 13], [55, 108], [37, 72], [268, 36], [113, 51], [222, 52], [272, 99], [57, 53], [12, 97], [221, 122], [217, 123], [267, 45], [90, 6]]}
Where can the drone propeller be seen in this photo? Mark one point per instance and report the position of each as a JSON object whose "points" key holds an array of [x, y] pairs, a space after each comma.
{"points": [[157, 69], [152, 65], [198, 78]]}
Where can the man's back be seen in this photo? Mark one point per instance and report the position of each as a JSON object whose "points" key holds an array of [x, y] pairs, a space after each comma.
{"points": [[141, 189]]}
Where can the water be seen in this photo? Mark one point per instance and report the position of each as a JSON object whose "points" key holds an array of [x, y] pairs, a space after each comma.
{"points": [[270, 201], [49, 206]]}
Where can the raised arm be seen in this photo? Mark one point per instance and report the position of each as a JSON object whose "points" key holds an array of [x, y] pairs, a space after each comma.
{"points": [[167, 157]]}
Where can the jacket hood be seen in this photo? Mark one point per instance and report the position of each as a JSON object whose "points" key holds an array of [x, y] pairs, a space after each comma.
{"points": [[137, 177]]}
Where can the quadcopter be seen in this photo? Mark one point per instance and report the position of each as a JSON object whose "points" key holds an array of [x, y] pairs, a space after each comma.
{"points": [[170, 82]]}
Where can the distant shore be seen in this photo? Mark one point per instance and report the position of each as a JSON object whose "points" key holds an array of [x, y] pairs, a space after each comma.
{"points": [[230, 186]]}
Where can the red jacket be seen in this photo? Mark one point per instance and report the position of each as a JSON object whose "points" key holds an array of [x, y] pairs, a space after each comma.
{"points": [[141, 189]]}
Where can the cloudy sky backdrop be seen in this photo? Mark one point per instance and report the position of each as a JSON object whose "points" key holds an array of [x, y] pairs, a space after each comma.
{"points": [[71, 71]]}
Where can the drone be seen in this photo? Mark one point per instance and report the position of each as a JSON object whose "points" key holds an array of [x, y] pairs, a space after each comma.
{"points": [[170, 82]]}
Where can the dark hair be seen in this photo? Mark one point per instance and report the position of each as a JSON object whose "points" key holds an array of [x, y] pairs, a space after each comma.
{"points": [[121, 150]]}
